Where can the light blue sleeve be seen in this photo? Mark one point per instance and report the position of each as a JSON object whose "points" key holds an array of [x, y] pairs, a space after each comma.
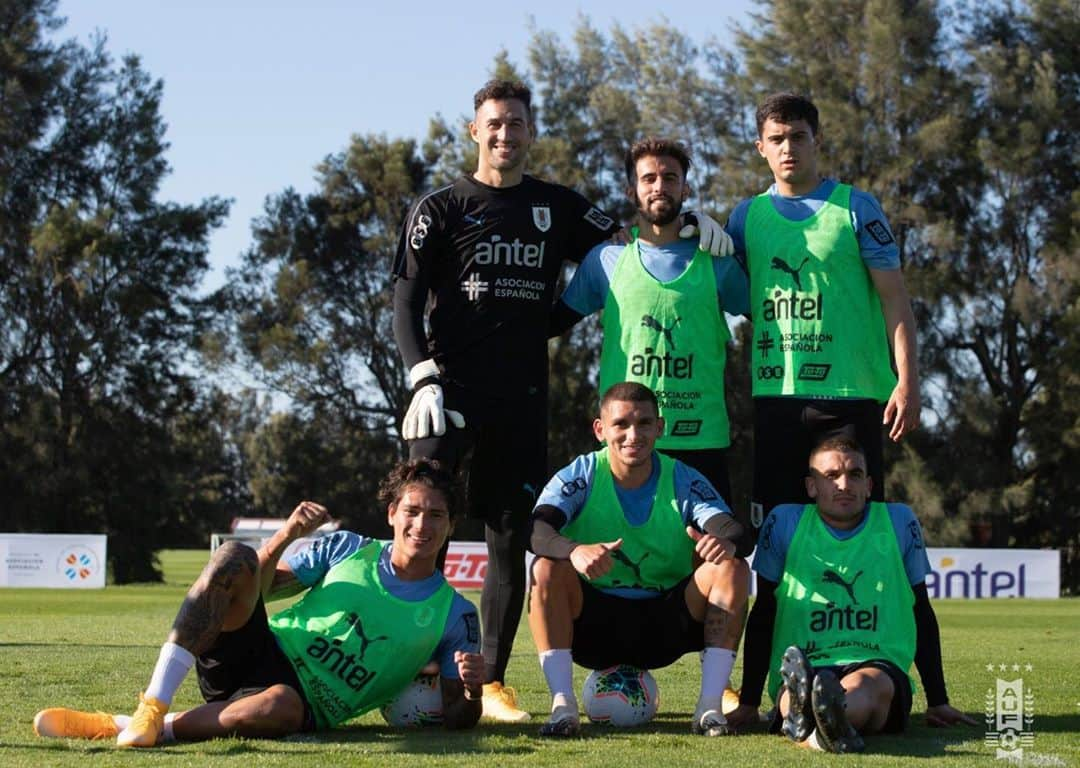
{"points": [[569, 489], [462, 634], [774, 540], [698, 499], [311, 564], [733, 285], [588, 288], [910, 538], [876, 242]]}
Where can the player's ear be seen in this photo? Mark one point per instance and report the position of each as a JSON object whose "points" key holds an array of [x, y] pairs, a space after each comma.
{"points": [[811, 487], [660, 426], [759, 145], [390, 509], [869, 485], [598, 429], [474, 131], [685, 192]]}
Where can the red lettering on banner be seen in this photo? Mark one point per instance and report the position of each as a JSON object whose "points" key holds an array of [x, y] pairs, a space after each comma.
{"points": [[465, 570]]}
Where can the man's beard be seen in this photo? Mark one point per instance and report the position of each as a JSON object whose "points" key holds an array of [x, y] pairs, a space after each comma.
{"points": [[660, 218]]}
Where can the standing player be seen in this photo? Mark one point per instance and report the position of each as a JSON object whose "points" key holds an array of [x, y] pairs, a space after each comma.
{"points": [[634, 565], [373, 616], [828, 301], [842, 612], [664, 301], [486, 252]]}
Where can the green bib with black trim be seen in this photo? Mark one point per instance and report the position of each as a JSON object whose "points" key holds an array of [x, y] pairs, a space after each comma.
{"points": [[844, 601], [819, 330], [353, 644]]}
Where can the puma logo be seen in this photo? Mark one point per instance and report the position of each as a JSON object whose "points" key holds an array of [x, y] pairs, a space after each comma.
{"points": [[651, 322], [832, 577], [778, 263], [354, 620], [623, 558]]}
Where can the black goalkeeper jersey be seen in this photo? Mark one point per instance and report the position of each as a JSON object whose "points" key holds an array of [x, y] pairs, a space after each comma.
{"points": [[489, 258]]}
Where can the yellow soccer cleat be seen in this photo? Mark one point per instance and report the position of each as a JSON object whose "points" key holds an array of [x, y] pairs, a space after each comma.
{"points": [[500, 704], [146, 724], [730, 701], [60, 723]]}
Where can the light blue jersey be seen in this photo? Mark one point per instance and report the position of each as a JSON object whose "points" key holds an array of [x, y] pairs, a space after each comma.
{"points": [[462, 625], [779, 529], [876, 242], [589, 287]]}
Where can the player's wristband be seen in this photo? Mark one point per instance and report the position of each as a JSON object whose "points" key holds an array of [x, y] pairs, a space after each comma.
{"points": [[423, 373]]}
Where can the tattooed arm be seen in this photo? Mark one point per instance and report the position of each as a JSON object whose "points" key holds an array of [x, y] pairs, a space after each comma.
{"points": [[278, 579]]}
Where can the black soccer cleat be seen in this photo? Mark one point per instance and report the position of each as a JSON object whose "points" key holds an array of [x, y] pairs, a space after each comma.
{"points": [[797, 677], [834, 732]]}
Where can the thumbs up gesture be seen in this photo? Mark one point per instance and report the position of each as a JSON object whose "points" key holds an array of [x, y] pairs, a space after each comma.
{"points": [[593, 560], [710, 548]]}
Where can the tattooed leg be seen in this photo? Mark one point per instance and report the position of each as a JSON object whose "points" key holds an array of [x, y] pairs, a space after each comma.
{"points": [[222, 598]]}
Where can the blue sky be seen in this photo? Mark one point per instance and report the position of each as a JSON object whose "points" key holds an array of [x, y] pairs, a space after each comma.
{"points": [[257, 93]]}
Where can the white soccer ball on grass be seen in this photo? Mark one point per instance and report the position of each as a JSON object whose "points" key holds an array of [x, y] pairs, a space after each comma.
{"points": [[622, 696], [418, 704]]}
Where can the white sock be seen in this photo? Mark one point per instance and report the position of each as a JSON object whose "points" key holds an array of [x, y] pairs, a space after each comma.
{"points": [[716, 664], [172, 667], [812, 741], [167, 735], [558, 668]]}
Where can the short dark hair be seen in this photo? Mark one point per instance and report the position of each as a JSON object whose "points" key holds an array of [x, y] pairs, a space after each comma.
{"points": [[629, 392], [842, 443], [426, 472], [786, 108], [504, 89], [652, 146]]}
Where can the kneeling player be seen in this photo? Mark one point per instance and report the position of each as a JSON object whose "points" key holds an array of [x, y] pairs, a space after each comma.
{"points": [[842, 612], [374, 614], [635, 565]]}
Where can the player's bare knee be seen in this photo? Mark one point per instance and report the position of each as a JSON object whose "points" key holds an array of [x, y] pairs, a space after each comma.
{"points": [[547, 573], [274, 712]]}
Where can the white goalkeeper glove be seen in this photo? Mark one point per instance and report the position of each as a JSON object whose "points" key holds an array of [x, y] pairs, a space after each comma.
{"points": [[714, 239], [426, 415]]}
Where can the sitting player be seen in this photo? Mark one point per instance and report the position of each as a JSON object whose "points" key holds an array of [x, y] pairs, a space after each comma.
{"points": [[842, 612], [374, 614], [635, 565]]}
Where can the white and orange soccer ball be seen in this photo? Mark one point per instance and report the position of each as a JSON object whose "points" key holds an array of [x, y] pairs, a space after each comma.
{"points": [[418, 704], [622, 696]]}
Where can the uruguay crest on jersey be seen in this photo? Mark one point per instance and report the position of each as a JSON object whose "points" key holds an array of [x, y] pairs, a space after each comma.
{"points": [[542, 217]]}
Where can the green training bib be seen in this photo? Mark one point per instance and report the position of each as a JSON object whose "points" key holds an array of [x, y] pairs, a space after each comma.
{"points": [[671, 337], [655, 555], [844, 601], [819, 330], [352, 643]]}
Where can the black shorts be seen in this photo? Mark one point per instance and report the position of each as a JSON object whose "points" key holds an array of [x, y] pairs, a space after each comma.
{"points": [[502, 451], [649, 633], [899, 707], [786, 428], [247, 661]]}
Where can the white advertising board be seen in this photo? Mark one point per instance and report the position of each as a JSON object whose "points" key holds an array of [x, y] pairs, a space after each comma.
{"points": [[75, 561]]}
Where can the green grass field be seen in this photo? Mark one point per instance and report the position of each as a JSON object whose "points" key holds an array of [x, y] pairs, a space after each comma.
{"points": [[95, 650]]}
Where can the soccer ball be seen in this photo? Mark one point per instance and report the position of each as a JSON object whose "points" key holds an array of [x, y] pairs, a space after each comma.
{"points": [[623, 696], [417, 704]]}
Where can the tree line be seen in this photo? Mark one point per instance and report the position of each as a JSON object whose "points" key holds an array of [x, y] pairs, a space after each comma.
{"points": [[119, 407]]}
